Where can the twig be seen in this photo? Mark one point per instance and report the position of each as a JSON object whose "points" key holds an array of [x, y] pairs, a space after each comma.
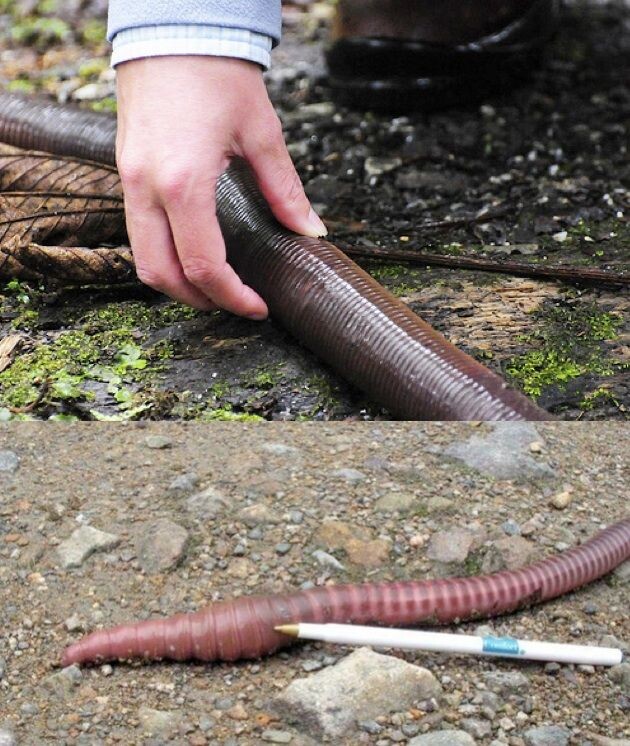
{"points": [[586, 275]]}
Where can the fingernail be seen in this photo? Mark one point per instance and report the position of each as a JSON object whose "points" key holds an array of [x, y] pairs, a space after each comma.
{"points": [[257, 316], [315, 225]]}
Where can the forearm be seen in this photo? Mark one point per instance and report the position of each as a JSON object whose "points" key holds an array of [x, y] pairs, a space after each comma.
{"points": [[246, 29]]}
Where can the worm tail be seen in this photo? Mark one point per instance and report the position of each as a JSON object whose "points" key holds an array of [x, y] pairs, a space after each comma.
{"points": [[244, 627]]}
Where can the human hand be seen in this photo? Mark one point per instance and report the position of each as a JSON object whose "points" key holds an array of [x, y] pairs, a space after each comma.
{"points": [[180, 119]]}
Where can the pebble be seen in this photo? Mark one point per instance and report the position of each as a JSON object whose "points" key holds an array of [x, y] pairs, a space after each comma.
{"points": [[282, 548], [506, 682], [476, 727], [74, 624], [450, 546], [503, 453], [511, 528], [276, 736], [160, 723], [279, 449], [7, 738], [161, 546], [254, 515], [61, 683], [349, 475], [158, 442], [327, 560], [547, 735], [3, 666], [92, 92], [621, 675], [561, 500], [375, 166], [183, 483], [207, 504], [361, 687], [83, 542], [9, 461], [400, 501], [509, 553], [443, 738]]}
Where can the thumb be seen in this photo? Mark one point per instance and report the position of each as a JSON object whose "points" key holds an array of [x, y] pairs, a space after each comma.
{"points": [[281, 186]]}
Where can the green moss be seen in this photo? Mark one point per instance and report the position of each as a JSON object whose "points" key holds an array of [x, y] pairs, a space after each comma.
{"points": [[567, 345], [472, 563], [93, 31], [40, 32], [594, 398], [28, 319], [93, 68], [227, 414], [108, 105], [21, 85], [264, 377]]}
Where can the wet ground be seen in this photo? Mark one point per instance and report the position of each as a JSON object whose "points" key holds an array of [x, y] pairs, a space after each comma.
{"points": [[537, 176], [194, 514]]}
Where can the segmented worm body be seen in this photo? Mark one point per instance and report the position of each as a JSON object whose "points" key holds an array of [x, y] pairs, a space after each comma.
{"points": [[332, 306], [244, 627]]}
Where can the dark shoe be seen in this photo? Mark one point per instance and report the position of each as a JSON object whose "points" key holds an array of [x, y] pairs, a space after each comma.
{"points": [[401, 55]]}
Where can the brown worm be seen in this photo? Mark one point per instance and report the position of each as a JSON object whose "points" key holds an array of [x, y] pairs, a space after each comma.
{"points": [[312, 288], [244, 627]]}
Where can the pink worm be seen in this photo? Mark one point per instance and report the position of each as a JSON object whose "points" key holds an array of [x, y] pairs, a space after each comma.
{"points": [[244, 627]]}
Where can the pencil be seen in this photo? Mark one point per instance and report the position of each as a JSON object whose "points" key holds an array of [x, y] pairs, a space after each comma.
{"points": [[405, 639]]}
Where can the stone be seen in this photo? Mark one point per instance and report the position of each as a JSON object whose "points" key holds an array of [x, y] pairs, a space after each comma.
{"points": [[7, 738], [561, 500], [62, 683], [375, 166], [254, 515], [349, 475], [279, 449], [360, 687], [158, 442], [83, 542], [336, 534], [547, 735], [327, 560], [183, 483], [207, 504], [368, 553], [450, 546], [162, 723], [9, 461], [276, 736], [509, 554], [620, 675], [503, 453], [161, 546], [443, 738], [476, 727], [400, 501], [621, 573], [506, 682]]}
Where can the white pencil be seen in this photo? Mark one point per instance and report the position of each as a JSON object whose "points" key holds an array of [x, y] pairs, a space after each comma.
{"points": [[406, 639]]}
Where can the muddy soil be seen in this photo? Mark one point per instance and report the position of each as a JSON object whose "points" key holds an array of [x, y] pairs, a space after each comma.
{"points": [[547, 161]]}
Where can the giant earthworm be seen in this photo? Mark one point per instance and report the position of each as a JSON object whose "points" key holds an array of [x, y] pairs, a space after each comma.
{"points": [[321, 296], [244, 627]]}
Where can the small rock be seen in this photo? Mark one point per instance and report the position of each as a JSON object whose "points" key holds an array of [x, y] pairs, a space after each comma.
{"points": [[476, 727], [443, 738], [276, 736], [509, 554], [368, 553], [621, 675], [349, 475], [9, 461], [547, 735], [83, 542], [622, 573], [183, 483], [73, 624], [506, 682], [360, 687], [450, 546], [439, 504], [282, 548], [254, 515], [377, 166], [159, 442], [207, 504], [7, 738], [560, 236], [400, 501], [327, 560], [279, 449], [241, 568], [161, 546], [503, 453], [92, 92], [511, 527], [160, 723], [61, 683], [561, 500], [3, 666], [237, 712]]}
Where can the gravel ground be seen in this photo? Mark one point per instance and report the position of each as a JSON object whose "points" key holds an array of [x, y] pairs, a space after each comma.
{"points": [[101, 525], [547, 162]]}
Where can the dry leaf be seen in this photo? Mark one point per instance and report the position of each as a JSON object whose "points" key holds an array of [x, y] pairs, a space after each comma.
{"points": [[8, 349]]}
